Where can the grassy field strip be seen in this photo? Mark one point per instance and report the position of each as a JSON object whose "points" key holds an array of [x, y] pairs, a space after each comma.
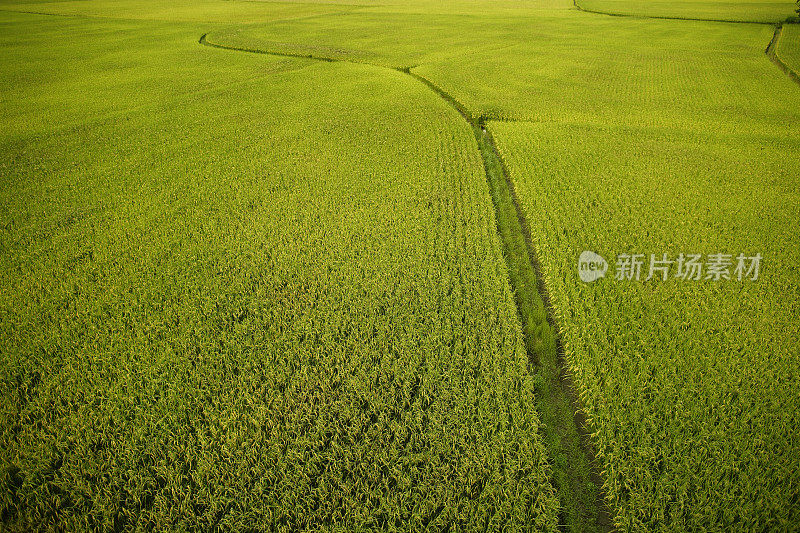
{"points": [[394, 40], [204, 41], [576, 472]]}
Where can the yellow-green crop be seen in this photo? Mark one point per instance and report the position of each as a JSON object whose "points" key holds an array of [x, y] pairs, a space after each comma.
{"points": [[245, 292], [259, 264]]}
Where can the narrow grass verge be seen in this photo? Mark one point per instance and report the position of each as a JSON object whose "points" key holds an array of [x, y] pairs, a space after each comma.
{"points": [[576, 472], [206, 42]]}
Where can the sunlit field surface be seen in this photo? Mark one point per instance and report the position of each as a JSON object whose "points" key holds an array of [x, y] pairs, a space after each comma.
{"points": [[252, 273], [249, 290]]}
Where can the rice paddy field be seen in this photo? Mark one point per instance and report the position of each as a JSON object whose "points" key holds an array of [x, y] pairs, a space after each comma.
{"points": [[314, 266]]}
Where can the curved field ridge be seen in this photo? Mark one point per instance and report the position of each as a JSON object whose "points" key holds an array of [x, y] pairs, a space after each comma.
{"points": [[572, 66]]}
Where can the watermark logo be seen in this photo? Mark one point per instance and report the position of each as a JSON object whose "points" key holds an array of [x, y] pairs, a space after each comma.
{"points": [[591, 266], [692, 267]]}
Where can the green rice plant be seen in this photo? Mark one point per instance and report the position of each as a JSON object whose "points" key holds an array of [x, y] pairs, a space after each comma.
{"points": [[665, 425], [397, 40], [207, 11], [556, 65], [672, 374]]}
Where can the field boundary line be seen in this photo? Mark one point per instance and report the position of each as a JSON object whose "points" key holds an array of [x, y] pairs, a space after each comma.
{"points": [[563, 429], [573, 436], [206, 42]]}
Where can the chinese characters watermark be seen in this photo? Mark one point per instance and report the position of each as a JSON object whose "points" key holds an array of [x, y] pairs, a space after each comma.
{"points": [[694, 267]]}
